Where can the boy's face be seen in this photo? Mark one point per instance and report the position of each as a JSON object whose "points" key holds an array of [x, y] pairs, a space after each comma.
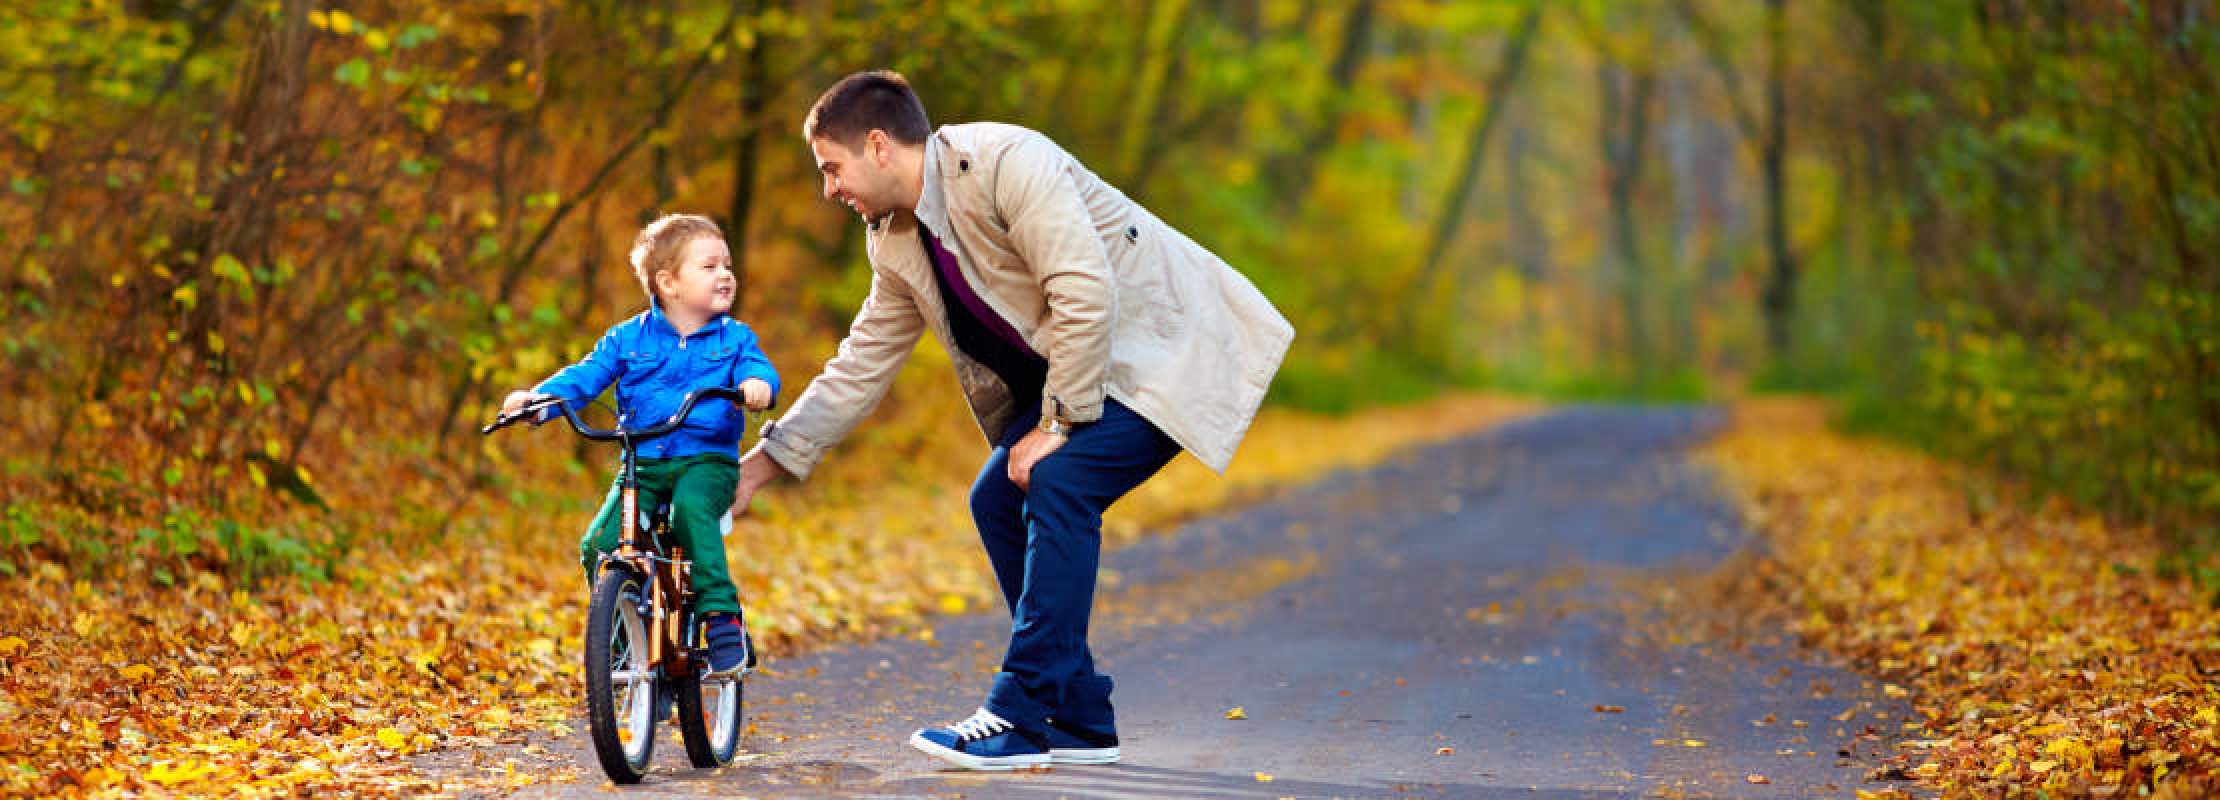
{"points": [[862, 178], [703, 284]]}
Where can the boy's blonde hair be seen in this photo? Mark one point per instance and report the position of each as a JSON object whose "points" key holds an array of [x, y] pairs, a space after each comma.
{"points": [[659, 245]]}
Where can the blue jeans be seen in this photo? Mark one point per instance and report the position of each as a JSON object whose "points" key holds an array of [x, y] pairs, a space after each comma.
{"points": [[1045, 546]]}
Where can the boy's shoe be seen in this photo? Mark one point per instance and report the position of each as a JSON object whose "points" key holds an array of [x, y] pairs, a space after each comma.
{"points": [[730, 651], [1071, 744], [983, 742]]}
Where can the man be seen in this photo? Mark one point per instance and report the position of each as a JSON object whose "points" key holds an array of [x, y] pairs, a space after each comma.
{"points": [[1092, 341]]}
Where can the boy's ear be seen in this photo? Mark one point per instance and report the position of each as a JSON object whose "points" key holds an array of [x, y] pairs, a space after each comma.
{"points": [[660, 278]]}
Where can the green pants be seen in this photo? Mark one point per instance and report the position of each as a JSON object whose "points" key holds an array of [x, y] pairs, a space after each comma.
{"points": [[699, 489]]}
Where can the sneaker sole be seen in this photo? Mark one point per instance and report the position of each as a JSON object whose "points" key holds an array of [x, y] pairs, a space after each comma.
{"points": [[1083, 755], [981, 763]]}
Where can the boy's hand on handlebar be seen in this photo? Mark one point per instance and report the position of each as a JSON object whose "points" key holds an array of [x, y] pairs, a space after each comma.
{"points": [[757, 393], [516, 401]]}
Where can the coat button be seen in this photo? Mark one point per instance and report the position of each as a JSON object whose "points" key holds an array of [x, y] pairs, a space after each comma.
{"points": [[964, 165]]}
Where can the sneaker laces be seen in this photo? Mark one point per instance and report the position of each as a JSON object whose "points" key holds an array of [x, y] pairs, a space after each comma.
{"points": [[982, 724]]}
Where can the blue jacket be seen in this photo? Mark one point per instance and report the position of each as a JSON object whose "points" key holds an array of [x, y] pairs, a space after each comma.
{"points": [[654, 369]]}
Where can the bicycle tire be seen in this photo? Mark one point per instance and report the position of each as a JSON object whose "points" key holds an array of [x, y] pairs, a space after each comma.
{"points": [[623, 727], [711, 730]]}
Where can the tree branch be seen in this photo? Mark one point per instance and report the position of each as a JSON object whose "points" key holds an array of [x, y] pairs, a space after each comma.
{"points": [[1715, 53]]}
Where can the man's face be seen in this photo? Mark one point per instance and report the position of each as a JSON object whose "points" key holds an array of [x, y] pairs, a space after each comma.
{"points": [[862, 178]]}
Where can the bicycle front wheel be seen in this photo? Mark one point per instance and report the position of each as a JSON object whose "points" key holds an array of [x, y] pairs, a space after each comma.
{"points": [[620, 683]]}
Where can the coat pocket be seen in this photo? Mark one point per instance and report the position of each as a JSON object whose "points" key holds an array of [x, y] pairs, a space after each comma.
{"points": [[642, 365], [1150, 296]]}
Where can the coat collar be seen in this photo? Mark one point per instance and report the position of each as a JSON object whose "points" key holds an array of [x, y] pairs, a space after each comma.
{"points": [[654, 319], [932, 197], [945, 161]]}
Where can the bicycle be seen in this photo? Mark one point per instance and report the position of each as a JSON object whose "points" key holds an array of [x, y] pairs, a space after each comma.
{"points": [[644, 647]]}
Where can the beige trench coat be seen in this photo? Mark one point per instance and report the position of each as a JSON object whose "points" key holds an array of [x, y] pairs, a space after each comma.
{"points": [[1119, 303]]}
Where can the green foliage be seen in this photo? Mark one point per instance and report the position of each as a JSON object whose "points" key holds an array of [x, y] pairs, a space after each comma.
{"points": [[2052, 207], [1342, 385], [1591, 386], [174, 546], [254, 554]]}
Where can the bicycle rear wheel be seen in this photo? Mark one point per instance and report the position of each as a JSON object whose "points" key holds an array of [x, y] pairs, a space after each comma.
{"points": [[709, 716], [620, 683]]}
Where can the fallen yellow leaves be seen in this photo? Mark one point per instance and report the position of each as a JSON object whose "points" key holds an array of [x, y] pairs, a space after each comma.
{"points": [[1237, 712], [2038, 644], [199, 690], [172, 773]]}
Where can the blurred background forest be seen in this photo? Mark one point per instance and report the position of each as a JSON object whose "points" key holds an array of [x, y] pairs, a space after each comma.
{"points": [[265, 266]]}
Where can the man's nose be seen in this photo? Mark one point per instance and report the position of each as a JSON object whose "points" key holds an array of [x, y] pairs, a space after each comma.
{"points": [[830, 188]]}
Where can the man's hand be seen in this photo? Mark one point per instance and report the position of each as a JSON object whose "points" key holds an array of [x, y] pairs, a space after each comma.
{"points": [[756, 392], [516, 401], [1028, 452], [757, 470]]}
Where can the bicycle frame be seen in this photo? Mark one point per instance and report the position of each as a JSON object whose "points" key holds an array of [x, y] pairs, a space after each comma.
{"points": [[665, 578]]}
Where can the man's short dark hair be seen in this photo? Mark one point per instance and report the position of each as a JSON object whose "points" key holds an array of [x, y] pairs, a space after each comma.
{"points": [[863, 101]]}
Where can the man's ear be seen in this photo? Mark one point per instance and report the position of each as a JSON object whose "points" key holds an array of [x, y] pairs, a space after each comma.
{"points": [[879, 146]]}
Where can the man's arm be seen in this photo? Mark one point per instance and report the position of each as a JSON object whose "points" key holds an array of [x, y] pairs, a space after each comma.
{"points": [[884, 332], [1055, 237]]}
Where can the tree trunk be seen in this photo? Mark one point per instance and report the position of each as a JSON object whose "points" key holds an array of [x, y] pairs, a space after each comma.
{"points": [[1770, 137], [1780, 286], [755, 95], [1155, 58], [1295, 171], [1624, 133], [1467, 175], [660, 154]]}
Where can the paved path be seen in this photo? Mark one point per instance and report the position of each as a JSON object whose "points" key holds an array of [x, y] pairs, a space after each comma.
{"points": [[1445, 625]]}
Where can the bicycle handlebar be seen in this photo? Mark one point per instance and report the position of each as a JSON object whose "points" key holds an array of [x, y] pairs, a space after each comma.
{"points": [[612, 435]]}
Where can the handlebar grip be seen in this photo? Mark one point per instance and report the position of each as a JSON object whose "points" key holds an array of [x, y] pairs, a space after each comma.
{"points": [[530, 409]]}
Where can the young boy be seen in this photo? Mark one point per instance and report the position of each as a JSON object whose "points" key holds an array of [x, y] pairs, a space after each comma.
{"points": [[684, 341]]}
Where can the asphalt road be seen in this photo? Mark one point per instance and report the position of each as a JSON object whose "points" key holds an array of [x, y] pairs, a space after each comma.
{"points": [[1445, 625]]}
